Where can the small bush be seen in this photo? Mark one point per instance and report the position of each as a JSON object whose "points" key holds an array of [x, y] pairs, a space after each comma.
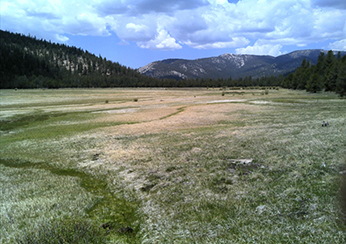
{"points": [[135, 100], [65, 231]]}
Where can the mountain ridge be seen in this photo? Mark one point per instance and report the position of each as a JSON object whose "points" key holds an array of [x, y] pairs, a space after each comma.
{"points": [[27, 62], [231, 65]]}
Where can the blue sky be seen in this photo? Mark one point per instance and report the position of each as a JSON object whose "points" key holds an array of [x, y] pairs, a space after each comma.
{"points": [[137, 32]]}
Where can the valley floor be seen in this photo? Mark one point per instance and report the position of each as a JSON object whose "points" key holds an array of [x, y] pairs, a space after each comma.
{"points": [[172, 165]]}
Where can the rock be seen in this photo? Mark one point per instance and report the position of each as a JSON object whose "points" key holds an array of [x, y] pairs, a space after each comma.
{"points": [[125, 230], [260, 209], [107, 226], [95, 157], [196, 150], [245, 161], [324, 124]]}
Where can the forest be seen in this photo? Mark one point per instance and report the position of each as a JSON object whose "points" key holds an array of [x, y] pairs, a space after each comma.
{"points": [[329, 74], [26, 62]]}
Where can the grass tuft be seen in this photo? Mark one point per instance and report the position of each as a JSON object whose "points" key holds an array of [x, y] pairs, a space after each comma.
{"points": [[65, 231]]}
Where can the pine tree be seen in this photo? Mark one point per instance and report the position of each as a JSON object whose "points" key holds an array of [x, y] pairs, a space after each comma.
{"points": [[341, 81], [330, 73], [314, 83], [302, 75]]}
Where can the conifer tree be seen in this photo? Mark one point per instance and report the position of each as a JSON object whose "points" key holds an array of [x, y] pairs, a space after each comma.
{"points": [[314, 83], [330, 72], [302, 75], [341, 80]]}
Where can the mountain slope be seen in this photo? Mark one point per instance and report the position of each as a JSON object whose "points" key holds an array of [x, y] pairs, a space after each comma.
{"points": [[26, 62], [230, 65]]}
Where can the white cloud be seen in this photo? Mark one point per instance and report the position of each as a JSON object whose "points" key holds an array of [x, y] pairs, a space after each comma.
{"points": [[85, 24], [201, 24], [162, 41], [52, 19], [267, 49], [335, 28], [144, 7], [234, 42], [136, 28], [338, 45], [330, 3], [61, 38], [133, 29]]}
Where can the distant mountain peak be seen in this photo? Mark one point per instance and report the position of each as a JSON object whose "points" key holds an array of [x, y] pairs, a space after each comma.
{"points": [[227, 55], [231, 65], [307, 52]]}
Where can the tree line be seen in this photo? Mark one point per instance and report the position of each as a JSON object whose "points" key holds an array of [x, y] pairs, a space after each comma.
{"points": [[329, 74], [26, 62]]}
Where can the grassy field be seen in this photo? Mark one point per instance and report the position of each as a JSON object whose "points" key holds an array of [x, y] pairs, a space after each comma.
{"points": [[171, 166]]}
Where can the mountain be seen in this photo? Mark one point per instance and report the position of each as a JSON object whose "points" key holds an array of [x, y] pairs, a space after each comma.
{"points": [[230, 65], [26, 62]]}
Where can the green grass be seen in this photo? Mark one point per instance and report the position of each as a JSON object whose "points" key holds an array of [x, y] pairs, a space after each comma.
{"points": [[101, 206], [178, 186], [179, 110], [65, 231], [40, 125], [31, 196]]}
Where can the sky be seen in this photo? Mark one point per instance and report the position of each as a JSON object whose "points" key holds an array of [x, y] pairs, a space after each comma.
{"points": [[137, 32]]}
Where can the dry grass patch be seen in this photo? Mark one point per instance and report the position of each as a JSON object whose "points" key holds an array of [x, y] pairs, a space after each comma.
{"points": [[261, 169], [155, 120]]}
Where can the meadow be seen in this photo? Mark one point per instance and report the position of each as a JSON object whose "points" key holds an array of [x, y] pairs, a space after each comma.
{"points": [[171, 166]]}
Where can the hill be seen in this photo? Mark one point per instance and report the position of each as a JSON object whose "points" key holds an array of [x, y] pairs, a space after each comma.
{"points": [[26, 62], [231, 65]]}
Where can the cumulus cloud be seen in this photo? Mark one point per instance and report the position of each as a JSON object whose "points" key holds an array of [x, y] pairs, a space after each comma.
{"points": [[233, 42], [61, 38], [142, 7], [330, 3], [201, 24], [136, 28], [338, 45], [133, 29], [85, 24], [52, 19], [330, 29], [162, 41], [267, 49]]}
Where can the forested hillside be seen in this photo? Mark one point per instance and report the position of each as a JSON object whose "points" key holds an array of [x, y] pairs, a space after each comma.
{"points": [[26, 62], [329, 74]]}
